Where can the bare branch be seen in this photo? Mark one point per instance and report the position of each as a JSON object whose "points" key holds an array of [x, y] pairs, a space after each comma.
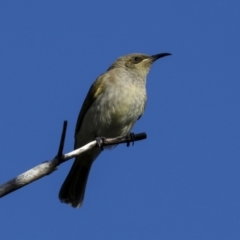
{"points": [[48, 167]]}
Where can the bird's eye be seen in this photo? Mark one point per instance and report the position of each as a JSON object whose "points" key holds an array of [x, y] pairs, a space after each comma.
{"points": [[137, 59]]}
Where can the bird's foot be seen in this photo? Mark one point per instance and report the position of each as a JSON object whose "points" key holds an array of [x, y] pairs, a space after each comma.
{"points": [[100, 141], [131, 137]]}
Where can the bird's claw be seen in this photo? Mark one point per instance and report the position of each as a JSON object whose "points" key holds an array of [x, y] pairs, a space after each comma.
{"points": [[100, 141], [131, 137]]}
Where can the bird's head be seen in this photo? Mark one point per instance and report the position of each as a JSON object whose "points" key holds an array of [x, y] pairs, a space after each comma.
{"points": [[137, 62]]}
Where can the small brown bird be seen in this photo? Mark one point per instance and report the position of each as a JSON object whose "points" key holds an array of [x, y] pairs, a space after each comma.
{"points": [[115, 101]]}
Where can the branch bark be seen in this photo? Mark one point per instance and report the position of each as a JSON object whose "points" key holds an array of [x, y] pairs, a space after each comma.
{"points": [[48, 167]]}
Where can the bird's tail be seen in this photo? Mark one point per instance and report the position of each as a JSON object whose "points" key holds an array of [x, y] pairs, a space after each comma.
{"points": [[73, 188]]}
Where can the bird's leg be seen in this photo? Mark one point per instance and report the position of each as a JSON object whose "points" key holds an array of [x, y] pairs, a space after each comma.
{"points": [[100, 141], [131, 137]]}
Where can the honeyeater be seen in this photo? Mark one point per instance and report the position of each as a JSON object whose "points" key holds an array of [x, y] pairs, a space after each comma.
{"points": [[115, 101]]}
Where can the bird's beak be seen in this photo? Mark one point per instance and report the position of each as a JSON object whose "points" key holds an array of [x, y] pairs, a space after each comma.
{"points": [[160, 55]]}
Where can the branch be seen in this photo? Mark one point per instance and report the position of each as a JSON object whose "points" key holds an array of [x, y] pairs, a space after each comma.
{"points": [[48, 167]]}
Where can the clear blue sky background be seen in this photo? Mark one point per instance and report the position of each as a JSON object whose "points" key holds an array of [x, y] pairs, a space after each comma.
{"points": [[183, 182]]}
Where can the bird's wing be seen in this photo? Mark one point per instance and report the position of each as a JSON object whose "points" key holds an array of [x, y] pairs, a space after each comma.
{"points": [[94, 91]]}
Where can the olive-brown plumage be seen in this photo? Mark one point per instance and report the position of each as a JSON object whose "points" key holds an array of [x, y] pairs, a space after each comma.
{"points": [[115, 101]]}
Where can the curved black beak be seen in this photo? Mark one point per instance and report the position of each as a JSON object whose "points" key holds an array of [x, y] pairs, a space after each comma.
{"points": [[160, 55]]}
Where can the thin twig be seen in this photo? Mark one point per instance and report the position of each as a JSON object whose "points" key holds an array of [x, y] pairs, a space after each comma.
{"points": [[61, 145], [48, 167]]}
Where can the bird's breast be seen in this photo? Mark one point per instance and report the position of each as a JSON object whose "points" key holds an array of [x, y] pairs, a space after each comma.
{"points": [[122, 103], [113, 112], [117, 109]]}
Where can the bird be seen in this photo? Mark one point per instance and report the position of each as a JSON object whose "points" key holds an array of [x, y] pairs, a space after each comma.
{"points": [[114, 102]]}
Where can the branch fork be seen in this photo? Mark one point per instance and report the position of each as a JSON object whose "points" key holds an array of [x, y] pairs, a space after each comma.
{"points": [[50, 166]]}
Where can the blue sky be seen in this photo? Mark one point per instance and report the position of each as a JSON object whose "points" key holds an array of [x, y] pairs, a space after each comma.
{"points": [[183, 181]]}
